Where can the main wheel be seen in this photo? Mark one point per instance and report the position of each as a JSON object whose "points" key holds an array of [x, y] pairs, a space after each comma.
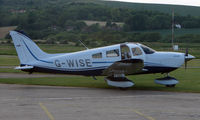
{"points": [[123, 88], [171, 86]]}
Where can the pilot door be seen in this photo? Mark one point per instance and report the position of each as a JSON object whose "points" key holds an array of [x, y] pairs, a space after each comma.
{"points": [[125, 52]]}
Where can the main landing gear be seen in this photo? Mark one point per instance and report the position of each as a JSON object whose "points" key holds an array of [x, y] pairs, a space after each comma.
{"points": [[119, 81], [167, 81]]}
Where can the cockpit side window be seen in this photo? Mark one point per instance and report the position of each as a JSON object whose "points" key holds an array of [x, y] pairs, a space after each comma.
{"points": [[136, 51], [112, 53], [147, 50], [97, 55]]}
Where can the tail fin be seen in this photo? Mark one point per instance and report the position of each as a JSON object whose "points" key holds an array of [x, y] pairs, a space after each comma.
{"points": [[26, 49]]}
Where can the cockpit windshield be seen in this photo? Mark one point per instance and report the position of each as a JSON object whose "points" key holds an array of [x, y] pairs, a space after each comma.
{"points": [[147, 50]]}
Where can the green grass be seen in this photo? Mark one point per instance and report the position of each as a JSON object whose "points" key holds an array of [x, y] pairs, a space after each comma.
{"points": [[10, 70], [194, 63], [189, 81], [73, 81], [7, 49], [7, 60]]}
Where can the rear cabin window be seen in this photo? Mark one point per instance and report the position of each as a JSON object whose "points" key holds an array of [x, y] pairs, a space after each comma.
{"points": [[97, 55], [136, 51], [112, 53]]}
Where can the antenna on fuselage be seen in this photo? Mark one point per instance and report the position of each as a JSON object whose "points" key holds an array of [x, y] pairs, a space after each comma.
{"points": [[83, 44]]}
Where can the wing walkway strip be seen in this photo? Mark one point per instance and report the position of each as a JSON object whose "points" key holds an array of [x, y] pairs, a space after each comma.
{"points": [[46, 111], [143, 115]]}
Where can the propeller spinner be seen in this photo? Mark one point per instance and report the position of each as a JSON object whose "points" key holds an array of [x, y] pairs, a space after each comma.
{"points": [[188, 57]]}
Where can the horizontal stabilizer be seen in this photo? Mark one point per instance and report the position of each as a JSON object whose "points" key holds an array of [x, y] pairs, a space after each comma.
{"points": [[24, 67]]}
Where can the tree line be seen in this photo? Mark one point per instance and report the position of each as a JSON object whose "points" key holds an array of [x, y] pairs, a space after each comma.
{"points": [[56, 22], [134, 20]]}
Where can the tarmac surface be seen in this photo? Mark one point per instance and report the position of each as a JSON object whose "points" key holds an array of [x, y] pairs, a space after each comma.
{"points": [[28, 102]]}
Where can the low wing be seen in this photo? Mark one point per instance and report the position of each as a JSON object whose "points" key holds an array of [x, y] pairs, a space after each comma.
{"points": [[126, 67]]}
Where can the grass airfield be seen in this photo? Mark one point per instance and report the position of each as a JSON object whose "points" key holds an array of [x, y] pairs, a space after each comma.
{"points": [[189, 79]]}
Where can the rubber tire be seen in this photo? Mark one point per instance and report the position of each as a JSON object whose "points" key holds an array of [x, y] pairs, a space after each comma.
{"points": [[123, 88], [171, 86]]}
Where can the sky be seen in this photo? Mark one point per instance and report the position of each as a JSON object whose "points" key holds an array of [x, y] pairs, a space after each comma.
{"points": [[175, 2]]}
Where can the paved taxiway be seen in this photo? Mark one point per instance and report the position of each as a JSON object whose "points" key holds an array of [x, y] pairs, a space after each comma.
{"points": [[22, 102]]}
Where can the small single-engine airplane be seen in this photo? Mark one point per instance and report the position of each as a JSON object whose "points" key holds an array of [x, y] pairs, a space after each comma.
{"points": [[113, 61]]}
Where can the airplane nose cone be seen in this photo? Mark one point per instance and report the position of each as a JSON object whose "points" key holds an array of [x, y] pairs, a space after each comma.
{"points": [[189, 57]]}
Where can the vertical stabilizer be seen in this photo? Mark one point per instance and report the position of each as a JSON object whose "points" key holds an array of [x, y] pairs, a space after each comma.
{"points": [[26, 49]]}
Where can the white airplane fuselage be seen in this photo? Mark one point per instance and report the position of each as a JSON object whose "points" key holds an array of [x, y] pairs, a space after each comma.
{"points": [[82, 63]]}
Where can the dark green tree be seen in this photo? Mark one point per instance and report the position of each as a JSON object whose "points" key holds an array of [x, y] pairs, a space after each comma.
{"points": [[137, 22]]}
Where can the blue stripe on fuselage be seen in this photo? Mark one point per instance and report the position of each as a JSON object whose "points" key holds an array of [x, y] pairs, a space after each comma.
{"points": [[35, 56]]}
